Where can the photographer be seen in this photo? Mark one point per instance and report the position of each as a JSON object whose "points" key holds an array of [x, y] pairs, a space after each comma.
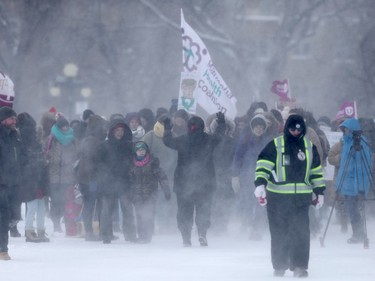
{"points": [[353, 179]]}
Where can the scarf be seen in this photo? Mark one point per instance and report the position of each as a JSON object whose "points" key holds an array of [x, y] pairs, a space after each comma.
{"points": [[143, 162], [64, 138]]}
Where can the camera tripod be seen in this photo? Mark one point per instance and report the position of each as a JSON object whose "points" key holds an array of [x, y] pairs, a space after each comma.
{"points": [[355, 149]]}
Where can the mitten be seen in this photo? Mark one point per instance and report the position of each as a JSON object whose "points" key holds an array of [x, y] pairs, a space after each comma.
{"points": [[260, 194], [220, 118], [317, 201]]}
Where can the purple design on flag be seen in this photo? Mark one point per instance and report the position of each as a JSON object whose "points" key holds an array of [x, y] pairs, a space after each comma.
{"points": [[347, 110], [281, 88]]}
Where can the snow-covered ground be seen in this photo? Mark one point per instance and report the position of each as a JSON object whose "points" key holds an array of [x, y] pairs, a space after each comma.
{"points": [[233, 257]]}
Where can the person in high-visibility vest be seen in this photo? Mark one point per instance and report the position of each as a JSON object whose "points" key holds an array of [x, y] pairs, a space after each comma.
{"points": [[288, 179]]}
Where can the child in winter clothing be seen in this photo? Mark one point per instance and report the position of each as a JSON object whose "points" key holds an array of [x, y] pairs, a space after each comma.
{"points": [[145, 175]]}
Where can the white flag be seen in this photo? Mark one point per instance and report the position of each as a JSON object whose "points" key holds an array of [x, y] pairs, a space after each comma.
{"points": [[210, 92]]}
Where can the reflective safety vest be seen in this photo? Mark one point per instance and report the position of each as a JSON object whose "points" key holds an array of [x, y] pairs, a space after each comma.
{"points": [[275, 173]]}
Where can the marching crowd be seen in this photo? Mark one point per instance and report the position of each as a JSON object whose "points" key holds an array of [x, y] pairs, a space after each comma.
{"points": [[89, 174]]}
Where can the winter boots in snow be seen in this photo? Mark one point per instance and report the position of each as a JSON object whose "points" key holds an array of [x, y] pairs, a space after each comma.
{"points": [[186, 239], [4, 256], [203, 241], [300, 272], [14, 231], [32, 236], [42, 235], [279, 273]]}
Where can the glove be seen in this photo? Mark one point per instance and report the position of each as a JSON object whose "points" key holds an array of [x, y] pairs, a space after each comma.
{"points": [[260, 194], [236, 184], [317, 201], [167, 124], [220, 118], [167, 195]]}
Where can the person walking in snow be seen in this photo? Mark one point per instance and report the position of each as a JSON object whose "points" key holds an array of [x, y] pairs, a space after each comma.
{"points": [[9, 175], [145, 177], [87, 171], [61, 154], [288, 179], [194, 177], [33, 180], [115, 159]]}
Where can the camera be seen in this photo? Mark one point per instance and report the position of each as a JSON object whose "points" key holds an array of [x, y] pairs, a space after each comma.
{"points": [[357, 139]]}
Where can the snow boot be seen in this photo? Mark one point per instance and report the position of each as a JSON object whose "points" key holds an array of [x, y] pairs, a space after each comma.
{"points": [[90, 236], [355, 240], [186, 239], [42, 235], [31, 236], [279, 273], [4, 256], [203, 241], [300, 272], [14, 231]]}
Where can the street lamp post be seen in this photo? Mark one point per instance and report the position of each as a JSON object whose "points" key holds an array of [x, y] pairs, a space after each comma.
{"points": [[65, 87]]}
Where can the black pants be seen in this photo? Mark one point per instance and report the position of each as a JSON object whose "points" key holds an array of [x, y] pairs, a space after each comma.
{"points": [[89, 200], [288, 217], [145, 214], [5, 213], [186, 205], [106, 216]]}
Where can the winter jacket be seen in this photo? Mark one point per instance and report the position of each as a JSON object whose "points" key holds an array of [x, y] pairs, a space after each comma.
{"points": [[334, 157], [166, 156], [34, 181], [195, 172], [356, 163], [9, 157], [87, 169], [61, 159], [223, 157], [247, 150], [115, 159], [291, 165], [145, 179]]}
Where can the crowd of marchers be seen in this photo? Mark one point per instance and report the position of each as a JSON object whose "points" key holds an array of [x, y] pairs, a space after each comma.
{"points": [[99, 176]]}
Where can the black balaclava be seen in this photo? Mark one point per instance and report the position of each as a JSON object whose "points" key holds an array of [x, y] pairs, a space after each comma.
{"points": [[195, 127], [294, 121]]}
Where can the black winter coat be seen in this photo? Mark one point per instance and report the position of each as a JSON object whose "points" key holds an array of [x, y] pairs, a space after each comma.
{"points": [[195, 172], [34, 173], [9, 157], [145, 180], [115, 160]]}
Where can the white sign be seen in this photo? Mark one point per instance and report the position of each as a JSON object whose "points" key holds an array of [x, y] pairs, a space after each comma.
{"points": [[211, 92]]}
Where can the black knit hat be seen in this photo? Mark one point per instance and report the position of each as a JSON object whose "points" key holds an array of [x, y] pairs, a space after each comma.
{"points": [[86, 114], [62, 122], [24, 119], [6, 112]]}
